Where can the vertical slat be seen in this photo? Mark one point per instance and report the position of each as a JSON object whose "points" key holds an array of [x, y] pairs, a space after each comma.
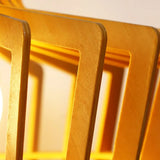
{"points": [[15, 36]]}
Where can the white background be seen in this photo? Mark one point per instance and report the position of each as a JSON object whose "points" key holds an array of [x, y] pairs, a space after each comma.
{"points": [[146, 12]]}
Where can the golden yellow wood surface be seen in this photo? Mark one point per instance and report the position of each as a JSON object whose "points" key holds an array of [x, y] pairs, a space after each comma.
{"points": [[131, 119], [142, 43], [90, 40], [15, 36], [152, 141], [12, 3], [36, 73]]}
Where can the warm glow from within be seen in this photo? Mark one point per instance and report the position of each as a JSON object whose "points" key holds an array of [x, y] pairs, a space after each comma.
{"points": [[1, 104]]}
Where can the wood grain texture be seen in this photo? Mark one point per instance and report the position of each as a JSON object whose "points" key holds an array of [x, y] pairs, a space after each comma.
{"points": [[143, 44], [12, 3], [36, 73], [90, 40], [15, 36], [151, 142]]}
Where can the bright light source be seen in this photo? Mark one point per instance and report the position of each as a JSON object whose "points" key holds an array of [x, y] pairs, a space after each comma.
{"points": [[1, 104]]}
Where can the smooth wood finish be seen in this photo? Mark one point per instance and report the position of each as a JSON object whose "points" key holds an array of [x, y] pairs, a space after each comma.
{"points": [[36, 73], [15, 36], [143, 44], [90, 40], [151, 144], [132, 122], [12, 3], [113, 56]]}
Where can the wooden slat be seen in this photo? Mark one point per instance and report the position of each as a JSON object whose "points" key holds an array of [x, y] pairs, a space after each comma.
{"points": [[143, 43], [15, 36], [90, 40]]}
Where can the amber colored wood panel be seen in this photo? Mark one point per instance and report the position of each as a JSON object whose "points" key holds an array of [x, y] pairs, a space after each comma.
{"points": [[151, 143], [36, 73], [15, 36], [143, 44], [90, 40]]}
